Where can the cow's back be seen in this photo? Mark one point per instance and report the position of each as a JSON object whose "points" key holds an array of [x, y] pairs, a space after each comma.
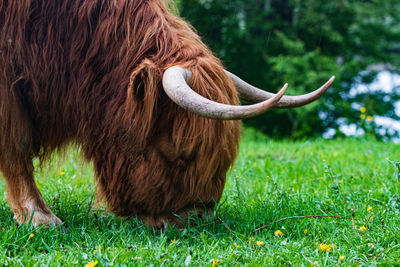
{"points": [[58, 66]]}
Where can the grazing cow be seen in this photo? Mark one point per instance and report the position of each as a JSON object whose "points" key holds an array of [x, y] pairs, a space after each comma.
{"points": [[135, 88]]}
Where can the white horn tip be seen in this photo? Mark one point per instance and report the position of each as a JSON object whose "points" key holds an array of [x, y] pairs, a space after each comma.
{"points": [[329, 82]]}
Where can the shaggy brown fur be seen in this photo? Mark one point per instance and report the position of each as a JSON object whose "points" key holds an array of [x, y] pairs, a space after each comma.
{"points": [[90, 72]]}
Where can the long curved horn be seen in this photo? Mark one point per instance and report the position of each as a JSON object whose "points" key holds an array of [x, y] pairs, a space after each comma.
{"points": [[255, 95], [175, 83]]}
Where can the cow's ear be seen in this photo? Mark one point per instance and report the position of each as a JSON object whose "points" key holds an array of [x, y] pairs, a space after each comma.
{"points": [[144, 79], [142, 95]]}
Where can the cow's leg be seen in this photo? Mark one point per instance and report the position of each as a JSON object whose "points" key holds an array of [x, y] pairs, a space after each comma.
{"points": [[24, 197], [16, 152]]}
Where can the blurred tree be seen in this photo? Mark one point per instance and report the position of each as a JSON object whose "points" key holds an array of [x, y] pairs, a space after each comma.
{"points": [[304, 42]]}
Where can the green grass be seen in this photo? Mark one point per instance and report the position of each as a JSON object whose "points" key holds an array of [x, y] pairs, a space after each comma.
{"points": [[271, 180]]}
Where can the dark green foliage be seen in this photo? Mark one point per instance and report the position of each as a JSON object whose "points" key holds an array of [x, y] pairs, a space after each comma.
{"points": [[269, 42]]}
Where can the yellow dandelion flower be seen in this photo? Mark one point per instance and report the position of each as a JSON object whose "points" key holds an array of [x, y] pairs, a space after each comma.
{"points": [[260, 243], [255, 164], [323, 247], [62, 173], [31, 235], [327, 247], [363, 228], [363, 110], [371, 245], [341, 258], [92, 264], [305, 231], [278, 233], [369, 118], [236, 245], [214, 263], [362, 116], [369, 208]]}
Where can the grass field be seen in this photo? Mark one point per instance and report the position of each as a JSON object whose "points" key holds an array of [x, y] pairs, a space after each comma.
{"points": [[271, 180]]}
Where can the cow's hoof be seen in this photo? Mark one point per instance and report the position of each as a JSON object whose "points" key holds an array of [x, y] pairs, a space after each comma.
{"points": [[38, 219]]}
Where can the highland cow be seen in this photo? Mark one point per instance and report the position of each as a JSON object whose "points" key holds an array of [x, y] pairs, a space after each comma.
{"points": [[135, 88]]}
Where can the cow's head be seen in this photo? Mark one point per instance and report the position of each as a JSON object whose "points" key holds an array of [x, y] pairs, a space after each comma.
{"points": [[182, 116]]}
